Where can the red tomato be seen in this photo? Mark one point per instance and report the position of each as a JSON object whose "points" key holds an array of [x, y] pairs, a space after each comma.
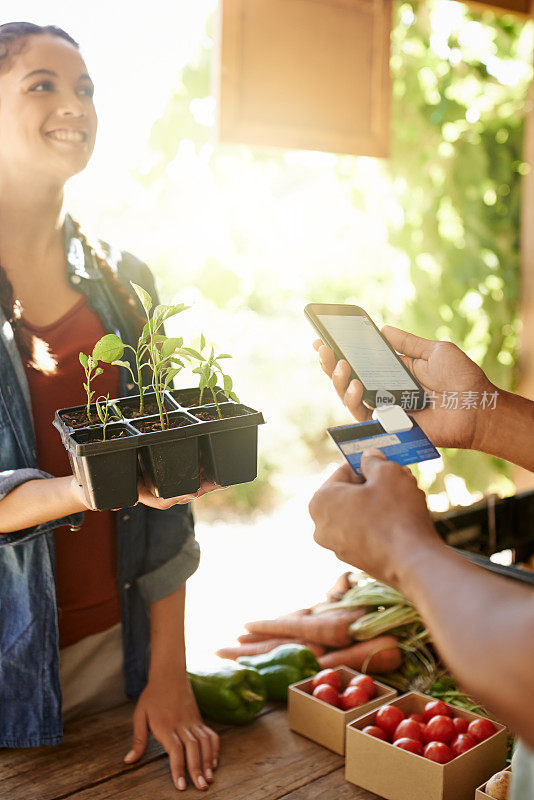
{"points": [[366, 683], [388, 717], [440, 729], [481, 729], [374, 730], [327, 694], [409, 729], [412, 745], [439, 752], [460, 724], [462, 743], [329, 676], [352, 697], [435, 707], [416, 717]]}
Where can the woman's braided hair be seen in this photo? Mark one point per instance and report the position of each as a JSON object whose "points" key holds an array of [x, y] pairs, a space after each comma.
{"points": [[12, 36]]}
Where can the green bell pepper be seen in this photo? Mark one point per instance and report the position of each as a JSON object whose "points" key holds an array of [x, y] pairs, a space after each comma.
{"points": [[232, 693], [283, 666]]}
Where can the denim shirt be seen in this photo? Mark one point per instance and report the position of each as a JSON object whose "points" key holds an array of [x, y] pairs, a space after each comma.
{"points": [[156, 550]]}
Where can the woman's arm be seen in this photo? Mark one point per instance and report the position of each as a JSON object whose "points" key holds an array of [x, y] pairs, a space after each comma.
{"points": [[36, 501], [167, 706]]}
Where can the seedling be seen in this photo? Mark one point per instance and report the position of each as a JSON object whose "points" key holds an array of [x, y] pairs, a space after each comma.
{"points": [[164, 355], [103, 411], [209, 370], [92, 371]]}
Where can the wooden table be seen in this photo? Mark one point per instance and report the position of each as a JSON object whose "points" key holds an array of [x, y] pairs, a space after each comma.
{"points": [[261, 761]]}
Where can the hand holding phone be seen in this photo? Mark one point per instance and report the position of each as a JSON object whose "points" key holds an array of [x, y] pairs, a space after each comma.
{"points": [[353, 336]]}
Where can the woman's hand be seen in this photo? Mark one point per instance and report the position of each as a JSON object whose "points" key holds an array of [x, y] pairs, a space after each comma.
{"points": [[168, 709], [441, 368], [148, 498]]}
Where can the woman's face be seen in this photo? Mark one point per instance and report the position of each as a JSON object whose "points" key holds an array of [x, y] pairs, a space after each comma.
{"points": [[47, 118]]}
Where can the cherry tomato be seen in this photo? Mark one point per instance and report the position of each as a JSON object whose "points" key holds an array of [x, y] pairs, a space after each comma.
{"points": [[439, 752], [352, 697], [460, 724], [327, 694], [412, 745], [481, 729], [409, 729], [374, 730], [440, 729], [416, 717], [435, 707], [366, 683], [329, 676], [462, 743], [388, 717]]}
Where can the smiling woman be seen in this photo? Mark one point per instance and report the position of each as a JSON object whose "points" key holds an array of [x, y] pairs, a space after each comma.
{"points": [[74, 603]]}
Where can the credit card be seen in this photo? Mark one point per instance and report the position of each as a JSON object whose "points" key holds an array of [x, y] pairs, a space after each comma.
{"points": [[406, 447]]}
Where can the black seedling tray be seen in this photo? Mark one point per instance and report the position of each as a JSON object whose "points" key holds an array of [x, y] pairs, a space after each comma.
{"points": [[223, 450]]}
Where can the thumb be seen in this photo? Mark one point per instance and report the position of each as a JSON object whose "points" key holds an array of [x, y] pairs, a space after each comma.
{"points": [[140, 738], [371, 461]]}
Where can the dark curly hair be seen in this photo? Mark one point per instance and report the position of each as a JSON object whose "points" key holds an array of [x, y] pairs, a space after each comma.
{"points": [[12, 38]]}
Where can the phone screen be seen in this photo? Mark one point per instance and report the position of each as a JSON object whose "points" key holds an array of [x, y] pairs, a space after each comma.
{"points": [[366, 352]]}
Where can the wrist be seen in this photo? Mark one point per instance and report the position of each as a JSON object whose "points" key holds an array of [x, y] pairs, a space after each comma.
{"points": [[419, 545], [488, 420]]}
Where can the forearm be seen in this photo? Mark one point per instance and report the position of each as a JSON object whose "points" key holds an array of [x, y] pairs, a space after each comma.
{"points": [[38, 501], [482, 626], [167, 639], [507, 431]]}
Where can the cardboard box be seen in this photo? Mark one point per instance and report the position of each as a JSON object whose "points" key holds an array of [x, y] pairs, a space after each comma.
{"points": [[326, 724], [396, 774], [481, 794]]}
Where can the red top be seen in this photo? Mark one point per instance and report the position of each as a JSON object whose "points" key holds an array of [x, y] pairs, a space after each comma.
{"points": [[86, 560]]}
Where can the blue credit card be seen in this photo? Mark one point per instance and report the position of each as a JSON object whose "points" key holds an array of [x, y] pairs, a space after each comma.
{"points": [[407, 447]]}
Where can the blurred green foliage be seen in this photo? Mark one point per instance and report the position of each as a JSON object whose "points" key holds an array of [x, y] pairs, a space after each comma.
{"points": [[428, 240]]}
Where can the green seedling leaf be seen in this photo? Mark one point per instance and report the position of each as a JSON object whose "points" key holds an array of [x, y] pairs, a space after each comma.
{"points": [[169, 347], [228, 383], [84, 360], [193, 353], [224, 355], [108, 349], [145, 332], [119, 363], [98, 371], [233, 396], [202, 341], [144, 297], [212, 381]]}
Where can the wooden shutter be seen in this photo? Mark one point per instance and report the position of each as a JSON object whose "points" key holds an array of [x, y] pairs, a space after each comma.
{"points": [[310, 74]]}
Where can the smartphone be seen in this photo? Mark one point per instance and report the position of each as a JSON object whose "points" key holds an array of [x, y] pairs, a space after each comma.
{"points": [[350, 332]]}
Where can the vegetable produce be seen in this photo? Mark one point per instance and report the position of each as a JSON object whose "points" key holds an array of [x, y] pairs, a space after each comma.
{"points": [[460, 724], [499, 785], [352, 697], [434, 708], [377, 655], [281, 667], [266, 646], [378, 622], [440, 729], [232, 693], [439, 752], [330, 629], [462, 743], [388, 718], [481, 729], [330, 676], [412, 745], [374, 730], [367, 593], [366, 683], [409, 728], [327, 694]]}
